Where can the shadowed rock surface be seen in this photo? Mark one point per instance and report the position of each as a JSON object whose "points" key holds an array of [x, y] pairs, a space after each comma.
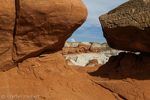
{"points": [[126, 74], [127, 26]]}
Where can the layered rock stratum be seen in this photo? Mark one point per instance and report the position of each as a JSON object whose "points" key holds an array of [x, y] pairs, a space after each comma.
{"points": [[28, 27], [127, 26]]}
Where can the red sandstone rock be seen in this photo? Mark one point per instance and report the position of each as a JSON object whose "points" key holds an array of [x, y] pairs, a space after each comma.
{"points": [[93, 62], [69, 62], [82, 69], [7, 23], [91, 48], [45, 25], [81, 49], [49, 77], [126, 75], [35, 26], [127, 26]]}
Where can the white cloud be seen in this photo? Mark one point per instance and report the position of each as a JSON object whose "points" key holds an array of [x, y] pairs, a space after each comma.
{"points": [[72, 40]]}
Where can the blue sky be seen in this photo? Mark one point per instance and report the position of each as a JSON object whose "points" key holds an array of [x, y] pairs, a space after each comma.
{"points": [[91, 30]]}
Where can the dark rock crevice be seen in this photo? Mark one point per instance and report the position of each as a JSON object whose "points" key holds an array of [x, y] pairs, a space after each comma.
{"points": [[17, 8]]}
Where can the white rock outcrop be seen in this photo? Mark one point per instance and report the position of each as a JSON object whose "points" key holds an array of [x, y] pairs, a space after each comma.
{"points": [[84, 58], [102, 55]]}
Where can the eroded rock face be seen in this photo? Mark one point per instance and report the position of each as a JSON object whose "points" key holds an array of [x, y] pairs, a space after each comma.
{"points": [[127, 26], [7, 23], [29, 27], [46, 25]]}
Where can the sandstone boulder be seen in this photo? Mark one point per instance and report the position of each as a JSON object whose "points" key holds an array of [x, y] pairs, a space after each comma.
{"points": [[92, 63], [29, 27], [45, 25], [7, 23], [69, 62], [127, 26], [91, 48]]}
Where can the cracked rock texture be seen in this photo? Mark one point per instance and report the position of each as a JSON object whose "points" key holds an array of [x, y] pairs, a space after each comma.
{"points": [[29, 27], [127, 26]]}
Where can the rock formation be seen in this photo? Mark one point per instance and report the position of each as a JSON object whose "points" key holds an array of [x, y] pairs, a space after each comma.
{"points": [[95, 44], [93, 62], [35, 26], [127, 26], [7, 23], [93, 47], [84, 58], [48, 77], [46, 25], [83, 53], [69, 62], [127, 75]]}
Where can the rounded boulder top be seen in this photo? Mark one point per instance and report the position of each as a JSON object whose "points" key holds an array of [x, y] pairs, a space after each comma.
{"points": [[127, 26], [37, 25]]}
